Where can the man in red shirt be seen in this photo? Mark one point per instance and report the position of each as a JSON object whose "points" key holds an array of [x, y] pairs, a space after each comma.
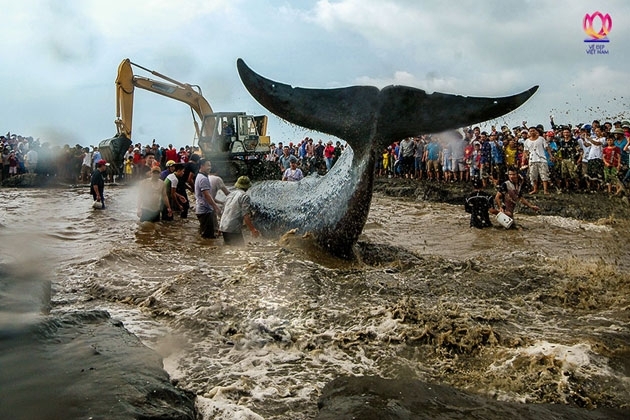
{"points": [[171, 153], [329, 154], [611, 155]]}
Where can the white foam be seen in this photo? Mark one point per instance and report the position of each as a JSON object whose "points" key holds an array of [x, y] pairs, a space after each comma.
{"points": [[219, 408], [572, 357], [578, 359], [574, 224]]}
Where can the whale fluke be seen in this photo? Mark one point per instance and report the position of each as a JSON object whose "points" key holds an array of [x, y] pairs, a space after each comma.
{"points": [[395, 112]]}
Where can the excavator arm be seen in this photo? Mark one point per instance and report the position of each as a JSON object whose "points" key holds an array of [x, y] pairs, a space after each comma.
{"points": [[231, 154], [191, 95]]}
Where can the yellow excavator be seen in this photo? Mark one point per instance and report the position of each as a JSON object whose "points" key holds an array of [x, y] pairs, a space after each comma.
{"points": [[235, 143]]}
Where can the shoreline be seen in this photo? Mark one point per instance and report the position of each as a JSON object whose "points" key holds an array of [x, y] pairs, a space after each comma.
{"points": [[578, 205]]}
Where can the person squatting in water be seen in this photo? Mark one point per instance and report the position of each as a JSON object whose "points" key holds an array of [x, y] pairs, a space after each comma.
{"points": [[480, 204]]}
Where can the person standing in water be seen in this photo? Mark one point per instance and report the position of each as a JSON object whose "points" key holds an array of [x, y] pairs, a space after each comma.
{"points": [[152, 197], [97, 182], [205, 203], [236, 211]]}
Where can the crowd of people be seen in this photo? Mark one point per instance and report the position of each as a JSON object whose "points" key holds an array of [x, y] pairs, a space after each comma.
{"points": [[513, 162], [307, 156], [583, 158], [164, 192], [167, 178], [22, 155]]}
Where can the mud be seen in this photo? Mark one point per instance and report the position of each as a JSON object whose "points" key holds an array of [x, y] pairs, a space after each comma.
{"points": [[370, 398], [578, 205]]}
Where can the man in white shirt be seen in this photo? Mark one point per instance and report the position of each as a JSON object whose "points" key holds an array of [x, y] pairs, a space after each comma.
{"points": [[595, 167], [237, 212], [216, 185], [86, 165], [534, 156], [30, 161], [293, 173]]}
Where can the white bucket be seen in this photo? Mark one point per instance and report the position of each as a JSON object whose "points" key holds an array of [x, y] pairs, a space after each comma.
{"points": [[504, 220]]}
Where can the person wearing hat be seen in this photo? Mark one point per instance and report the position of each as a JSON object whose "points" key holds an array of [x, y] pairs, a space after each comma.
{"points": [[293, 173], [479, 204], [153, 197], [236, 211], [329, 154], [170, 168], [97, 183]]}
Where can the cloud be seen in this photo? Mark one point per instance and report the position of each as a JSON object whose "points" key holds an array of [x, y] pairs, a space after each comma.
{"points": [[137, 20], [61, 65]]}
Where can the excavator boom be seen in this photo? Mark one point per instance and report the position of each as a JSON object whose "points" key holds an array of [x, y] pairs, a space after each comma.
{"points": [[183, 92]]}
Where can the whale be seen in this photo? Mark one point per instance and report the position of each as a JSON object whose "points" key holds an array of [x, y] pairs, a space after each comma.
{"points": [[333, 208]]}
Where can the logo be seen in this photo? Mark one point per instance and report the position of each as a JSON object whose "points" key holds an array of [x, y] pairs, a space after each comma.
{"points": [[597, 26]]}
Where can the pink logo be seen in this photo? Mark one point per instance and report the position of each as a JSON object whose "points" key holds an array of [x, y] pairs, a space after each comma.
{"points": [[602, 28]]}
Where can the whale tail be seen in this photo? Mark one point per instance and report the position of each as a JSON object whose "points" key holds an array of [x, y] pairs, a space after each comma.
{"points": [[360, 114]]}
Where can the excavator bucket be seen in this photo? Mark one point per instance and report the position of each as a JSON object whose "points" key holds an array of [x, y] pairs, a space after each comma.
{"points": [[113, 151]]}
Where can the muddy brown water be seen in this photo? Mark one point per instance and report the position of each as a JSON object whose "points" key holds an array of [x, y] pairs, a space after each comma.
{"points": [[532, 315]]}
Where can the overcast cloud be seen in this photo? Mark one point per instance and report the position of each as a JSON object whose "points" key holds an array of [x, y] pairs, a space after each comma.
{"points": [[60, 57]]}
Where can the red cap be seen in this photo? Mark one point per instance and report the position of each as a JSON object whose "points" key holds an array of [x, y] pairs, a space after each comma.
{"points": [[550, 133], [101, 162]]}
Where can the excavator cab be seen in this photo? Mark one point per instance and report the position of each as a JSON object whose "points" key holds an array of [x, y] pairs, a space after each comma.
{"points": [[238, 143], [237, 132]]}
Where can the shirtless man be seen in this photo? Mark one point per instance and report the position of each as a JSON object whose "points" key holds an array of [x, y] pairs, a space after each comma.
{"points": [[510, 194]]}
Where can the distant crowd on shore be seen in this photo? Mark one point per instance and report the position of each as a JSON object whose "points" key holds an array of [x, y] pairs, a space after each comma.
{"points": [[22, 155], [580, 158], [563, 158]]}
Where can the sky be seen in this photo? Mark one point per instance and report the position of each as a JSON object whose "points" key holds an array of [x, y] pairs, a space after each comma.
{"points": [[60, 58]]}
